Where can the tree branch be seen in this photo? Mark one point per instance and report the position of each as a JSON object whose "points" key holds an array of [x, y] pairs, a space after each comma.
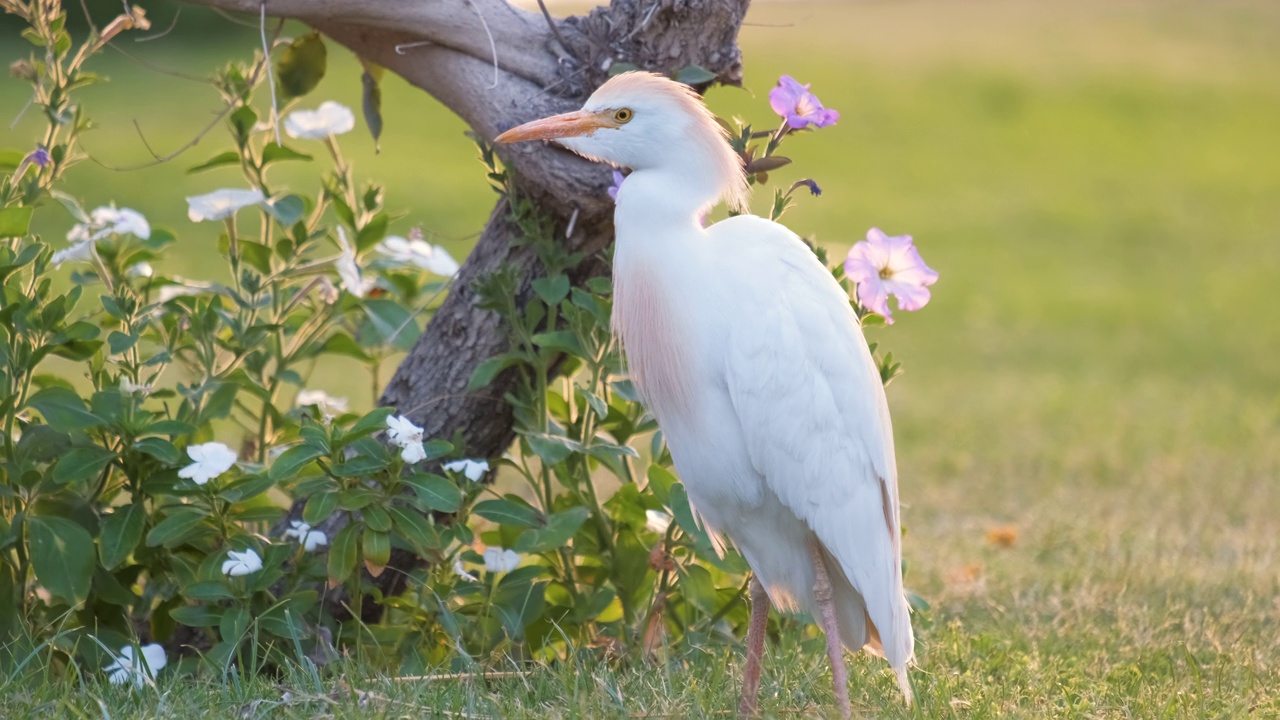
{"points": [[520, 36]]}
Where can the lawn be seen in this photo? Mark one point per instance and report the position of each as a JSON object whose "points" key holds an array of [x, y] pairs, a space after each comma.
{"points": [[1095, 380]]}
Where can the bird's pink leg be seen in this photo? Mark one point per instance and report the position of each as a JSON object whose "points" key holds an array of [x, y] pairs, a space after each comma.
{"points": [[827, 617], [755, 649]]}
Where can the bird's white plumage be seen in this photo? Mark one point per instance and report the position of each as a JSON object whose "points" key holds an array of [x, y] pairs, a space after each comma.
{"points": [[787, 434], [746, 351]]}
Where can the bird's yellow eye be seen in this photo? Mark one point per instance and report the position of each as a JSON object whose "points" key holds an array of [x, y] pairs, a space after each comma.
{"points": [[622, 115]]}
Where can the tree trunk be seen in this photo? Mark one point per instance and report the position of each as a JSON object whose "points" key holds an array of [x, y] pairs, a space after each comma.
{"points": [[536, 66]]}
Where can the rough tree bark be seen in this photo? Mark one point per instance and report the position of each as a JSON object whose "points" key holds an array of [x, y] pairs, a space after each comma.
{"points": [[497, 66]]}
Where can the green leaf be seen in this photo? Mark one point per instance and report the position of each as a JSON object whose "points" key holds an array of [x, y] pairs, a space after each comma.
{"points": [[695, 75], [243, 120], [177, 527], [376, 518], [63, 409], [698, 588], [414, 529], [373, 231], [682, 511], [81, 464], [553, 449], [121, 532], [510, 511], [160, 449], [487, 370], [357, 498], [552, 290], [371, 99], [319, 507], [291, 461], [15, 220], [342, 554], [392, 323], [374, 421], [359, 466], [341, 343], [120, 342], [63, 557], [660, 482], [198, 616], [257, 255], [272, 152], [287, 210], [435, 492], [560, 528], [561, 341], [244, 488], [377, 551], [229, 157], [234, 623], [301, 66], [211, 590]]}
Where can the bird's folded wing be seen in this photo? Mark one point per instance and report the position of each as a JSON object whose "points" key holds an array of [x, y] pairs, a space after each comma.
{"points": [[812, 406]]}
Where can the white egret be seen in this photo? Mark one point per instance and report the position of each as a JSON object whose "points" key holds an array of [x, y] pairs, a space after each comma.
{"points": [[746, 351]]}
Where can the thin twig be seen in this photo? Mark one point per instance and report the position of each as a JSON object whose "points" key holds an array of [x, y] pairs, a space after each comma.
{"points": [[177, 14], [156, 68], [93, 28], [493, 47], [551, 23], [573, 219], [405, 46], [266, 59], [22, 112], [232, 18]]}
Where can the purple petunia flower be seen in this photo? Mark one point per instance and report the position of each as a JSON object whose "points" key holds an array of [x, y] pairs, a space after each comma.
{"points": [[39, 156], [884, 265], [798, 106], [618, 177]]}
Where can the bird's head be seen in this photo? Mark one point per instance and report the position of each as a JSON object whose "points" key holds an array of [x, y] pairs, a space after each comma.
{"points": [[645, 121]]}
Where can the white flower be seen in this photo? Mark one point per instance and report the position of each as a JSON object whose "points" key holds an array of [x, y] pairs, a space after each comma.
{"points": [[349, 269], [400, 431], [126, 669], [211, 460], [329, 406], [328, 291], [413, 452], [310, 539], [462, 571], [473, 469], [657, 521], [119, 221], [110, 220], [221, 204], [142, 269], [330, 118], [242, 563], [185, 288], [130, 387], [417, 251], [78, 252], [497, 560]]}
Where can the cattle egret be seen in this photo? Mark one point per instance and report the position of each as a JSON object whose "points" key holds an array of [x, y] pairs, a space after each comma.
{"points": [[746, 351]]}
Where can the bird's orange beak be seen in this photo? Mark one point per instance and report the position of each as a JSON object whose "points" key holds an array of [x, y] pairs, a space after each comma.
{"points": [[572, 124]]}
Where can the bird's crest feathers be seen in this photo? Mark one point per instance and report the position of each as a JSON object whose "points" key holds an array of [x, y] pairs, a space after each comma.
{"points": [[623, 88]]}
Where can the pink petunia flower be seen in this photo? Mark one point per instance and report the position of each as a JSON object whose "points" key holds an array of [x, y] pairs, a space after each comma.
{"points": [[798, 106], [884, 265]]}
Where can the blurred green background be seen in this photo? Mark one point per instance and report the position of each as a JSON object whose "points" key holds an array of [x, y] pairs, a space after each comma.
{"points": [[1098, 184]]}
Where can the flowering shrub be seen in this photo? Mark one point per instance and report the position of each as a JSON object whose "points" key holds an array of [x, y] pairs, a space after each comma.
{"points": [[125, 523]]}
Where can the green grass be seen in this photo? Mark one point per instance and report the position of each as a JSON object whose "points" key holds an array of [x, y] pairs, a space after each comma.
{"points": [[1097, 184]]}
